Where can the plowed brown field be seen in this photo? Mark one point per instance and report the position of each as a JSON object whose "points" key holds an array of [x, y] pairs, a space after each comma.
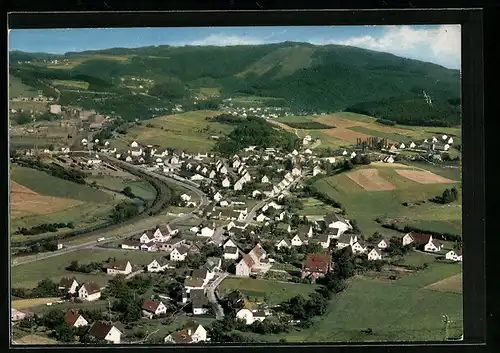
{"points": [[423, 177], [26, 201], [369, 180]]}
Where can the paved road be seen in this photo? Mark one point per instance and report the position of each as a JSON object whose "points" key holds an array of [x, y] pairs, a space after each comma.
{"points": [[91, 244], [229, 170], [212, 298]]}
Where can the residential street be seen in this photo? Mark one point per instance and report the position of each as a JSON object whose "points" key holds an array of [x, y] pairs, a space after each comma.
{"points": [[212, 298]]}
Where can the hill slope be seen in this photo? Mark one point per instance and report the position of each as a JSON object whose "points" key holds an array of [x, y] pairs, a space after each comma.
{"points": [[312, 78]]}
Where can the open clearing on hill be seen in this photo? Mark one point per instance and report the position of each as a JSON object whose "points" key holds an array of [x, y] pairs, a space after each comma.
{"points": [[188, 131], [450, 284], [24, 201], [370, 180], [28, 303], [71, 84], [424, 177], [18, 89]]}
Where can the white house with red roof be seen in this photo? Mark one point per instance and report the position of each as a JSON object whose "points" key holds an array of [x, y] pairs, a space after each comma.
{"points": [[152, 307]]}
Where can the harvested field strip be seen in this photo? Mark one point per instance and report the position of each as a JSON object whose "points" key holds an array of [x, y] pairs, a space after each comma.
{"points": [[370, 180], [424, 177], [392, 165], [28, 303], [450, 284], [18, 188], [35, 339], [345, 134], [391, 137]]}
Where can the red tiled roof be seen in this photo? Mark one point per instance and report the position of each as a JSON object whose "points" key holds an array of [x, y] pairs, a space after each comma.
{"points": [[181, 336], [71, 317], [100, 329], [248, 260], [420, 238], [317, 263], [151, 305]]}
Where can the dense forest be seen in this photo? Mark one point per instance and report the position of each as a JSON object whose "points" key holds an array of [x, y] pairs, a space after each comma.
{"points": [[254, 131], [296, 75]]}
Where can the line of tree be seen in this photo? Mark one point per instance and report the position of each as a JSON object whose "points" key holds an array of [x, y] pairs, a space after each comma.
{"points": [[448, 196], [406, 229], [45, 288], [385, 122], [91, 267], [44, 228], [55, 170], [123, 211]]}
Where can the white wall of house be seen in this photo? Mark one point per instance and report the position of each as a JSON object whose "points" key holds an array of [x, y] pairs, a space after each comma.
{"points": [[246, 315], [242, 269], [114, 335]]}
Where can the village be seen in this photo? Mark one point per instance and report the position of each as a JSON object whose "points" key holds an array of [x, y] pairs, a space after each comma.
{"points": [[248, 229]]}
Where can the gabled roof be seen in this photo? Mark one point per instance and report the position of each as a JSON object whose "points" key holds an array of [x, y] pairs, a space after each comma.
{"points": [[194, 282], [303, 228], [302, 237], [377, 250], [198, 298], [131, 242], [332, 217], [323, 238], [151, 305], [191, 324], [200, 273], [248, 260], [66, 282], [100, 329], [182, 250], [258, 251], [91, 287], [421, 238], [230, 250], [181, 336], [344, 239], [119, 265], [317, 263], [71, 317]]}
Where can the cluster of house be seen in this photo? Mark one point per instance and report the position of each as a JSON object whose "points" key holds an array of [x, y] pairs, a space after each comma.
{"points": [[332, 226], [432, 143], [191, 332], [244, 309], [264, 113]]}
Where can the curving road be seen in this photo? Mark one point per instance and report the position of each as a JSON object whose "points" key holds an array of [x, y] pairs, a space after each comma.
{"points": [[203, 202]]}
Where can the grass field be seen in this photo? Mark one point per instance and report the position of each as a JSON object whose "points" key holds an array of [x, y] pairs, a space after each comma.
{"points": [[139, 187], [45, 184], [188, 131], [416, 258], [207, 92], [28, 303], [314, 207], [395, 313], [365, 206], [29, 274], [80, 204], [71, 84], [450, 284], [34, 339], [18, 89], [274, 292], [433, 273]]}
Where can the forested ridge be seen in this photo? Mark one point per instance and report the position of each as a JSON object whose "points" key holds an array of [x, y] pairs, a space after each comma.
{"points": [[304, 77]]}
